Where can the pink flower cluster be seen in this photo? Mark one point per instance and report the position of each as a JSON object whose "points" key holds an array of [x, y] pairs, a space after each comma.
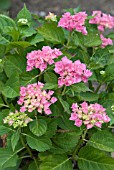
{"points": [[103, 20], [71, 73], [105, 41], [91, 115], [34, 97], [40, 59], [71, 22]]}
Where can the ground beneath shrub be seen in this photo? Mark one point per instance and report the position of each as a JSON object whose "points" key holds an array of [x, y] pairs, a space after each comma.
{"points": [[42, 7]]}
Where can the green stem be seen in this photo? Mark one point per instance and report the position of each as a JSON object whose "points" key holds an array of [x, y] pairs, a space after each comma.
{"points": [[96, 91], [74, 156], [35, 161], [23, 143], [63, 92]]}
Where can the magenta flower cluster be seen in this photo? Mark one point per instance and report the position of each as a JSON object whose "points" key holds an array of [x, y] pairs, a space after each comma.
{"points": [[91, 115], [41, 58], [102, 20], [74, 22], [71, 73], [33, 97]]}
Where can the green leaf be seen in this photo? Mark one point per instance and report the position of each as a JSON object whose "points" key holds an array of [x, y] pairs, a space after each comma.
{"points": [[52, 33], [110, 35], [38, 127], [18, 44], [40, 144], [32, 166], [27, 31], [7, 158], [64, 104], [50, 86], [2, 104], [94, 159], [35, 39], [91, 40], [56, 162], [15, 139], [88, 96], [28, 77], [3, 130], [14, 63], [110, 72], [50, 77], [25, 14], [100, 58], [80, 87], [3, 41], [6, 21], [12, 86], [51, 128], [102, 140], [66, 140]]}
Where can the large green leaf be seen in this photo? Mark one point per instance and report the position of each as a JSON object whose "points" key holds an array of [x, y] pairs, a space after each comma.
{"points": [[11, 88], [94, 159], [91, 40], [6, 21], [40, 144], [7, 159], [38, 127], [50, 77], [66, 140], [36, 38], [52, 33], [14, 63], [56, 162], [24, 14], [102, 140]]}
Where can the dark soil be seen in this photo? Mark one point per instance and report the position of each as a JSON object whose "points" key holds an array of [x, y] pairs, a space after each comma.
{"points": [[43, 7]]}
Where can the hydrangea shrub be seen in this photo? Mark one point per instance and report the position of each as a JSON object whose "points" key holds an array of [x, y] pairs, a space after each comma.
{"points": [[57, 91]]}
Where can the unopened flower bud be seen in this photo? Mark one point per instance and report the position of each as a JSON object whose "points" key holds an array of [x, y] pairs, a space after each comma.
{"points": [[23, 21], [102, 72], [51, 17]]}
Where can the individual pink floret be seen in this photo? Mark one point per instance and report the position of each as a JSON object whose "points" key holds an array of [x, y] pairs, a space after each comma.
{"points": [[41, 58], [89, 115]]}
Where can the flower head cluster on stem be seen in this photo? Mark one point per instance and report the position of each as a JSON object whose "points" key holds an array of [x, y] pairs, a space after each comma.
{"points": [[71, 73], [91, 115], [33, 97], [74, 22], [41, 58], [17, 119], [102, 20]]}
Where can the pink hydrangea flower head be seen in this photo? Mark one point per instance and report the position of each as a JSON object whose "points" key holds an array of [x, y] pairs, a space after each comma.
{"points": [[41, 58], [36, 98], [74, 22], [71, 73], [102, 20], [89, 115]]}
